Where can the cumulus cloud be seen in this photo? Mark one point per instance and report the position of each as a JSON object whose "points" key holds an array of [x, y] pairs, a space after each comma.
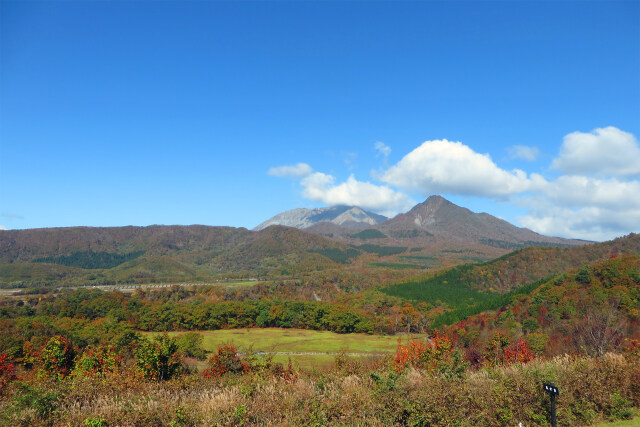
{"points": [[610, 193], [321, 187], [584, 207], [586, 222], [442, 166], [523, 152], [294, 171], [603, 151], [2, 227], [383, 149]]}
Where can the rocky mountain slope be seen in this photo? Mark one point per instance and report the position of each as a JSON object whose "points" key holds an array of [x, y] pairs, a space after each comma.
{"points": [[349, 217], [441, 218]]}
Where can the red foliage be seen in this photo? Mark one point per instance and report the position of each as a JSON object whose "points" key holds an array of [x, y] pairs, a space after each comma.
{"points": [[98, 361], [518, 352], [7, 372], [226, 360], [501, 352], [57, 356]]}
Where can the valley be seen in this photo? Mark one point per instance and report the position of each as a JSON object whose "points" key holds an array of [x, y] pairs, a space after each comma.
{"points": [[373, 309]]}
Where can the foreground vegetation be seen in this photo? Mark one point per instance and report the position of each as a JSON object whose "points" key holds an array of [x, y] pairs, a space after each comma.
{"points": [[433, 389]]}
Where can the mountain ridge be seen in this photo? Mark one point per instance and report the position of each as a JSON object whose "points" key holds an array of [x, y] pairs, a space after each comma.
{"points": [[351, 217], [426, 223], [440, 217]]}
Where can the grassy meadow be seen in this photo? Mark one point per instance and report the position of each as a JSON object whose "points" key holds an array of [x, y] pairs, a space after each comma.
{"points": [[307, 349]]}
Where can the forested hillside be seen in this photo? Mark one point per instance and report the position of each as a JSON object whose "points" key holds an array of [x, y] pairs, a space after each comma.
{"points": [[592, 309], [84, 255], [516, 269]]}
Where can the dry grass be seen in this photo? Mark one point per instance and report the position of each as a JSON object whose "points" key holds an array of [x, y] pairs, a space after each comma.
{"points": [[354, 393]]}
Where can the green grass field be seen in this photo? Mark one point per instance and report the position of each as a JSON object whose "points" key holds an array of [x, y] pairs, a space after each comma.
{"points": [[239, 283], [635, 422], [318, 348]]}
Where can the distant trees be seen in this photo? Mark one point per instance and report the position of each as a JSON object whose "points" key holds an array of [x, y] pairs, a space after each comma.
{"points": [[91, 260]]}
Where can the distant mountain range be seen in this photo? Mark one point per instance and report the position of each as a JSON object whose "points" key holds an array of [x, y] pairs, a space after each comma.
{"points": [[104, 255], [434, 234], [434, 219]]}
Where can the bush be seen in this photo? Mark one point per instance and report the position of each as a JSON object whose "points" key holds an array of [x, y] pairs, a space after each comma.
{"points": [[438, 355], [43, 403], [226, 360], [97, 361], [57, 356], [190, 344], [7, 372], [95, 422], [158, 360]]}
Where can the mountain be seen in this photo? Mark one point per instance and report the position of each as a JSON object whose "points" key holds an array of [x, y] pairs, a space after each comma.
{"points": [[102, 255], [349, 217], [440, 218]]}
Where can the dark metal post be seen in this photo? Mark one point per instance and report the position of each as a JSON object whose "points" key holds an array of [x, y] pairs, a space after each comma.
{"points": [[553, 392], [554, 420]]}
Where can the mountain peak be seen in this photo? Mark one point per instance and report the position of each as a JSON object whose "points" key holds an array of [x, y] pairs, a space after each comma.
{"points": [[352, 217], [440, 217]]}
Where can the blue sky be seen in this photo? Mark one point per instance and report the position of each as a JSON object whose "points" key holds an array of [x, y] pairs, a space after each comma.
{"points": [[227, 113]]}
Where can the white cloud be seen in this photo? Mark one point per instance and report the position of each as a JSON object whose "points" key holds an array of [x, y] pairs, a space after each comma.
{"points": [[294, 171], [604, 151], [442, 166], [586, 222], [584, 207], [383, 149], [321, 187], [579, 191], [523, 152], [2, 227]]}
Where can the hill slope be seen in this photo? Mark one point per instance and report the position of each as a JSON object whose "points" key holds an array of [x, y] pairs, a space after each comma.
{"points": [[157, 253], [591, 309], [508, 273]]}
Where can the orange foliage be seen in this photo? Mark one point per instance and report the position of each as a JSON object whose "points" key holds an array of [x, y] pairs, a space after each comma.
{"points": [[422, 354]]}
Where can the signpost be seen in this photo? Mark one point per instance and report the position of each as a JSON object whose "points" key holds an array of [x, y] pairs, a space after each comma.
{"points": [[553, 392]]}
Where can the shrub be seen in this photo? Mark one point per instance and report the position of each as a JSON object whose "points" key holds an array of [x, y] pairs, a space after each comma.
{"points": [[158, 360], [7, 372], [226, 360], [494, 351], [97, 361], [500, 351], [95, 422], [43, 403], [57, 356], [537, 342], [438, 355], [190, 344], [518, 352]]}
